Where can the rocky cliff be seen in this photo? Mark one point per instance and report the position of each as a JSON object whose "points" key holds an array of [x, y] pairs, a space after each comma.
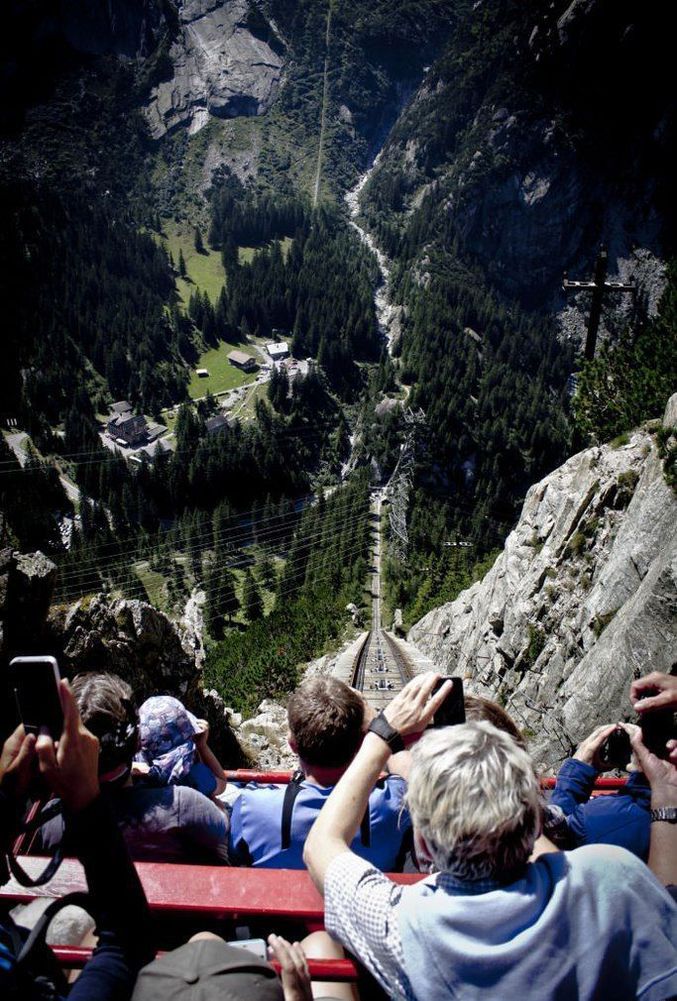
{"points": [[220, 67], [542, 130], [582, 599]]}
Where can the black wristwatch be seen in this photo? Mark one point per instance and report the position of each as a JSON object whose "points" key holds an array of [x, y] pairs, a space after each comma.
{"points": [[666, 813], [382, 728]]}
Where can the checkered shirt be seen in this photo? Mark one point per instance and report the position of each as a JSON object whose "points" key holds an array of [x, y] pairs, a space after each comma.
{"points": [[360, 911]]}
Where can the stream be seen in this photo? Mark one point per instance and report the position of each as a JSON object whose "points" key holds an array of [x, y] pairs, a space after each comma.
{"points": [[387, 314]]}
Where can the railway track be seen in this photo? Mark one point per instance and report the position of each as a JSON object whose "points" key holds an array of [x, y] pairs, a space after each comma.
{"points": [[381, 669]]}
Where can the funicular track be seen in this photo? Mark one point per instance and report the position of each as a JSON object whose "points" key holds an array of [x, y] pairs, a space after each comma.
{"points": [[381, 668]]}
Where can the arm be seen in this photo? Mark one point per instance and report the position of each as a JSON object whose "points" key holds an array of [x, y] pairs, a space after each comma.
{"points": [[662, 776], [208, 758], [119, 906], [70, 768], [331, 834]]}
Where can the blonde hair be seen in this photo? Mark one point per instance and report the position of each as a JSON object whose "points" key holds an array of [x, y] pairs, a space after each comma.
{"points": [[474, 795]]}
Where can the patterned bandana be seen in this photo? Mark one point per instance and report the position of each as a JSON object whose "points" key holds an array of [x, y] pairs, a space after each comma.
{"points": [[167, 737]]}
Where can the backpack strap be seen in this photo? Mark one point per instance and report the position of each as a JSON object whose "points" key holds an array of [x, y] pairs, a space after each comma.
{"points": [[290, 794], [12, 864]]}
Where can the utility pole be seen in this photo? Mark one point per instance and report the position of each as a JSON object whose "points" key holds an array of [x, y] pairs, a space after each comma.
{"points": [[598, 286]]}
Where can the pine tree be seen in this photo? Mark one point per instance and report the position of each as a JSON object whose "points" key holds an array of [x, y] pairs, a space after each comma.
{"points": [[253, 603], [182, 264], [199, 245]]}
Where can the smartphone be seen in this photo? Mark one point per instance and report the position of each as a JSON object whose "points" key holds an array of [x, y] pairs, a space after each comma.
{"points": [[616, 750], [36, 689], [658, 727], [255, 945], [452, 710]]}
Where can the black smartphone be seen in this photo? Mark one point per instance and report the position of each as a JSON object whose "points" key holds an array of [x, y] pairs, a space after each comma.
{"points": [[452, 710], [658, 727], [616, 750], [36, 689]]}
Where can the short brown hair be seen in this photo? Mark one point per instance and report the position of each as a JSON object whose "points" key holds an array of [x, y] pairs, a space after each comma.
{"points": [[326, 720], [107, 708], [478, 709]]}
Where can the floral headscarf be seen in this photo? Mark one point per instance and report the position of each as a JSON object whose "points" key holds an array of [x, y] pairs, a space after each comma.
{"points": [[167, 739]]}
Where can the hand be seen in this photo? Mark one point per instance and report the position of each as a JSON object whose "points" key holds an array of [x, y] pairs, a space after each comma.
{"points": [[662, 774], [664, 686], [412, 709], [202, 736], [16, 761], [293, 969], [140, 768], [71, 765], [370, 713], [589, 750]]}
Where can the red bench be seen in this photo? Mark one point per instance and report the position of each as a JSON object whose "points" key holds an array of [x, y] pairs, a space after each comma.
{"points": [[218, 892]]}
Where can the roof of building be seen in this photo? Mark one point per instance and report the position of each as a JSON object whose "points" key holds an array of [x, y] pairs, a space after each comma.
{"points": [[127, 420], [121, 407], [217, 423], [239, 358], [277, 348]]}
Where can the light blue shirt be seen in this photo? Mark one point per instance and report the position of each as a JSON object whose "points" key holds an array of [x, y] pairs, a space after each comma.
{"points": [[593, 924]]}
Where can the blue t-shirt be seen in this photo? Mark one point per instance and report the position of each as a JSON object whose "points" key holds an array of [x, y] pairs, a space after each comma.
{"points": [[256, 825]]}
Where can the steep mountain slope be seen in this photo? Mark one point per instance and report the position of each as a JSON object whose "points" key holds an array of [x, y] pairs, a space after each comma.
{"points": [[541, 130], [583, 598]]}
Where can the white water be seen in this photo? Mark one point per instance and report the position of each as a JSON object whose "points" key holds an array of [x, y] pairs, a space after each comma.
{"points": [[387, 315]]}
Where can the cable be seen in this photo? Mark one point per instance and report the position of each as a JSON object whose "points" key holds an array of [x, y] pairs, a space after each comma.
{"points": [[100, 456], [93, 571], [271, 536], [281, 593]]}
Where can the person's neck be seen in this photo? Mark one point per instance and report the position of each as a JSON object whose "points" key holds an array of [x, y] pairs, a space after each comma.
{"points": [[319, 775]]}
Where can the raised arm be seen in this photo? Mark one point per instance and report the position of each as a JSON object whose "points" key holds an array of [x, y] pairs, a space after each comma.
{"points": [[409, 712], [119, 903], [662, 776]]}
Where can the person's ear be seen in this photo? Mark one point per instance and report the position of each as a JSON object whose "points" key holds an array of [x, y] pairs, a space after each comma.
{"points": [[424, 856], [292, 743]]}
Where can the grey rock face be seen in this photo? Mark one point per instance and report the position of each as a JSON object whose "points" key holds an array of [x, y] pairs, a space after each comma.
{"points": [[582, 599], [145, 648], [220, 68]]}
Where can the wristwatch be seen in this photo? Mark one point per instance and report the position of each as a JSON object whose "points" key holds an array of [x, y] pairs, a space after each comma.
{"points": [[667, 813], [382, 728]]}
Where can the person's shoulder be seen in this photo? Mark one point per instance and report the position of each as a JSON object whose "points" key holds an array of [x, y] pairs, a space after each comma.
{"points": [[606, 863]]}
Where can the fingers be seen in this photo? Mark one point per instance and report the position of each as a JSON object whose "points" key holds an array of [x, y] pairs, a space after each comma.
{"points": [[291, 958], [665, 687], [599, 735], [630, 728], [26, 750], [672, 751], [71, 715], [46, 752], [13, 743]]}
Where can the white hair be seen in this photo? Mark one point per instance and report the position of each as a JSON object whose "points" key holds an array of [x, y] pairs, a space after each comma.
{"points": [[474, 796]]}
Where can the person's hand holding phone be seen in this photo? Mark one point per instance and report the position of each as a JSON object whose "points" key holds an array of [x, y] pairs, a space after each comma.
{"points": [[412, 708], [16, 759], [590, 750], [70, 765]]}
